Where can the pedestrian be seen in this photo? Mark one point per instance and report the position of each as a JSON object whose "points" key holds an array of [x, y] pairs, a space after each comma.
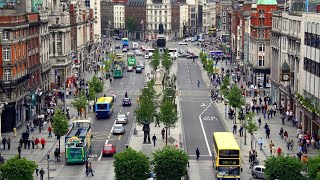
{"points": [[19, 151], [234, 129], [90, 170], [259, 121], [282, 118], [279, 151], [197, 153], [49, 130], [21, 141], [32, 142], [37, 171], [41, 173], [56, 155], [291, 145], [43, 142], [29, 143], [163, 131], [260, 141], [154, 138], [281, 132], [268, 132], [14, 131], [87, 165], [36, 142], [157, 123], [270, 147], [274, 150], [241, 131], [9, 143], [285, 134], [27, 127], [4, 142], [198, 83], [126, 95]]}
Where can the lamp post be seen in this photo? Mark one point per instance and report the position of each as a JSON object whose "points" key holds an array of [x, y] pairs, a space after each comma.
{"points": [[225, 109]]}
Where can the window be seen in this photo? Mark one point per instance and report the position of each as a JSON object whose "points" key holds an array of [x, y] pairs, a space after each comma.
{"points": [[6, 54], [261, 60], [224, 20], [261, 34], [5, 35], [261, 47], [224, 13], [7, 75]]}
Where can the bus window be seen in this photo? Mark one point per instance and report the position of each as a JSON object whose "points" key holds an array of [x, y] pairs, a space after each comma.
{"points": [[110, 105], [228, 153], [101, 106]]}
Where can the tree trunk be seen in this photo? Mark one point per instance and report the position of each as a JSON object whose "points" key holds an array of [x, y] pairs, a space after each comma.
{"points": [[166, 135], [59, 143], [85, 113], [235, 116], [251, 141]]}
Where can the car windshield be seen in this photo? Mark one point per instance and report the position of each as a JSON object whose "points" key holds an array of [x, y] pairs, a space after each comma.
{"points": [[107, 147], [118, 126], [121, 116], [228, 171]]}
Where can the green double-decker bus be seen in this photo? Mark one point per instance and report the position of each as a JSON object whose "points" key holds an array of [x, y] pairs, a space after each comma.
{"points": [[131, 61], [117, 71], [78, 142]]}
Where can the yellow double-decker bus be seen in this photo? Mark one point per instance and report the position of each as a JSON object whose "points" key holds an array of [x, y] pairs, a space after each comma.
{"points": [[226, 156]]}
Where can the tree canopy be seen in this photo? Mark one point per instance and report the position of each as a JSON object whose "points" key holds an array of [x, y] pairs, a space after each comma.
{"points": [[59, 123], [18, 169], [155, 61], [283, 168], [131, 164], [314, 167], [166, 61], [132, 24], [96, 84], [224, 86], [251, 126], [170, 163], [168, 114], [80, 103], [235, 97]]}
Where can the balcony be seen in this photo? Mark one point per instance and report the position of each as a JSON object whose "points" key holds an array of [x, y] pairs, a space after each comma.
{"points": [[15, 82]]}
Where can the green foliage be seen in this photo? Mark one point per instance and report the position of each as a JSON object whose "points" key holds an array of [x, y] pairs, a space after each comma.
{"points": [[251, 126], [224, 86], [111, 57], [96, 84], [168, 114], [60, 123], [18, 169], [131, 164], [132, 24], [155, 60], [209, 67], [80, 102], [167, 62], [146, 110], [314, 167], [92, 94], [170, 163], [235, 97], [283, 168], [107, 65]]}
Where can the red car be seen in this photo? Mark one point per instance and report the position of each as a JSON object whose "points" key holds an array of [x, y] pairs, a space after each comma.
{"points": [[108, 149]]}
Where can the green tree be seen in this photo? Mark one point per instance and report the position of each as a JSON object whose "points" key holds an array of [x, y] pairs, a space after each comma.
{"points": [[92, 95], [80, 103], [314, 167], [166, 62], [209, 67], [224, 86], [155, 61], [131, 164], [107, 65], [170, 163], [251, 126], [235, 98], [132, 24], [18, 169], [96, 84], [168, 113], [59, 124], [283, 168]]}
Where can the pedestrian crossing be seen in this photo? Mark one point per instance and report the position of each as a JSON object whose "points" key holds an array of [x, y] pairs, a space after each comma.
{"points": [[195, 93]]}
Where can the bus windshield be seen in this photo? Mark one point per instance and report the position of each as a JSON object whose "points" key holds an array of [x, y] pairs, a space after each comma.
{"points": [[228, 171], [229, 153]]}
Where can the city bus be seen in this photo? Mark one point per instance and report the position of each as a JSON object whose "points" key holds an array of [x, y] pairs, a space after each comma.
{"points": [[78, 142], [131, 60], [104, 107], [125, 43], [226, 156], [173, 53], [117, 71], [150, 51]]}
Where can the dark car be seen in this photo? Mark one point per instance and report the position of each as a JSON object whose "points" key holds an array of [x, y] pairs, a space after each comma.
{"points": [[126, 102], [138, 69], [191, 56]]}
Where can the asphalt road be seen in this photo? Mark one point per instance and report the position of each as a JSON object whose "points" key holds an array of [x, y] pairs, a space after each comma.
{"points": [[199, 114], [101, 128]]}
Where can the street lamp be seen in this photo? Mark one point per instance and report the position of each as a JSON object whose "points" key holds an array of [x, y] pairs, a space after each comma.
{"points": [[225, 108]]}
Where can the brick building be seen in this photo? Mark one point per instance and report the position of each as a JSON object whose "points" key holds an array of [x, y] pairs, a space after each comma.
{"points": [[132, 7]]}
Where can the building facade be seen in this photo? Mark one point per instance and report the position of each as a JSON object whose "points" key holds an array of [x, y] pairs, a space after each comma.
{"points": [[209, 15], [158, 12], [132, 7], [184, 20], [107, 17], [260, 55], [175, 20], [95, 6], [119, 20], [225, 20]]}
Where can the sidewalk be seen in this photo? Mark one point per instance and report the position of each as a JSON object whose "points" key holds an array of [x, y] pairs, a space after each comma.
{"points": [[275, 123], [174, 134]]}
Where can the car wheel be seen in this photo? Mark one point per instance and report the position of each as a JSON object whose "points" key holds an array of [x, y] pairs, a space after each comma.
{"points": [[254, 176]]}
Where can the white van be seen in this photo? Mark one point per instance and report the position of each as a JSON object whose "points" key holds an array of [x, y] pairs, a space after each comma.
{"points": [[135, 45]]}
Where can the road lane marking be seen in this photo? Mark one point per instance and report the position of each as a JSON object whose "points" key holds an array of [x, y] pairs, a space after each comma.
{"points": [[204, 133], [203, 104], [120, 110], [188, 74], [133, 82], [107, 140], [121, 83], [119, 137]]}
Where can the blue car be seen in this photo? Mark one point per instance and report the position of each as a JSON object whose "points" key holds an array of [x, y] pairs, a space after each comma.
{"points": [[126, 102]]}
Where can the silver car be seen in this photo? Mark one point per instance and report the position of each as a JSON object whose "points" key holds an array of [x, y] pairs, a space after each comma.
{"points": [[258, 172], [118, 129], [121, 119]]}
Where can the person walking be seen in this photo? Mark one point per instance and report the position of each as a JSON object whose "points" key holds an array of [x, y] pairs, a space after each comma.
{"points": [[90, 170], [271, 145], [36, 142], [4, 142], [19, 151], [14, 131], [163, 131], [285, 134], [49, 130], [260, 141], [154, 138], [259, 121], [9, 143], [198, 83], [157, 123], [234, 129], [29, 143], [37, 171], [21, 141], [43, 142], [32, 142], [41, 173], [197, 153], [241, 131]]}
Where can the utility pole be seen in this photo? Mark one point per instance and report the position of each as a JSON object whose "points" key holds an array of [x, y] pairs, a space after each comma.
{"points": [[48, 159]]}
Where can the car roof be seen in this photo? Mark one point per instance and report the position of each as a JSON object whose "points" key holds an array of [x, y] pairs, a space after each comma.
{"points": [[126, 98], [260, 166], [118, 125]]}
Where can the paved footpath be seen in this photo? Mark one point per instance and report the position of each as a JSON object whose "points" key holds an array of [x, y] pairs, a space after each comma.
{"points": [[274, 123], [40, 155]]}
